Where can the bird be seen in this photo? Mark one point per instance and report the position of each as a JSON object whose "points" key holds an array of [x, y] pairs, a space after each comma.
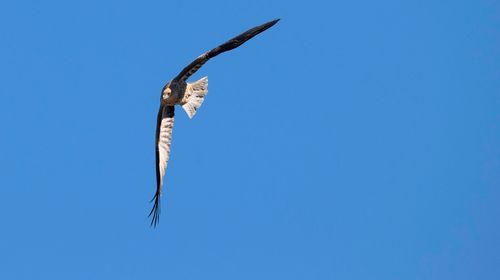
{"points": [[190, 96]]}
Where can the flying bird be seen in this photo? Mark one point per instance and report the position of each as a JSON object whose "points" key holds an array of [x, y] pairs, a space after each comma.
{"points": [[190, 96]]}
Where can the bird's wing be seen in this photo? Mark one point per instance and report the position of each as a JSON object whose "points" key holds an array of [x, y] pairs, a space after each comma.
{"points": [[164, 125], [229, 45]]}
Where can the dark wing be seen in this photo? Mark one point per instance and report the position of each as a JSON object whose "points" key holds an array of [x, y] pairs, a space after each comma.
{"points": [[164, 125], [227, 46]]}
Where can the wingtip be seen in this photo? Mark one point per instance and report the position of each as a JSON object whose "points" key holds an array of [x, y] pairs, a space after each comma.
{"points": [[273, 22], [263, 27], [155, 211]]}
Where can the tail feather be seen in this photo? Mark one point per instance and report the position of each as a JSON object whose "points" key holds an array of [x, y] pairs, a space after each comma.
{"points": [[195, 94]]}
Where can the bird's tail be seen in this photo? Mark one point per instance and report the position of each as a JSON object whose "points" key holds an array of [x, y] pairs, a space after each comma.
{"points": [[196, 93]]}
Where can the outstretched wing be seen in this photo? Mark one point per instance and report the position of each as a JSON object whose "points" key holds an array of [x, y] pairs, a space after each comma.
{"points": [[227, 46], [164, 125]]}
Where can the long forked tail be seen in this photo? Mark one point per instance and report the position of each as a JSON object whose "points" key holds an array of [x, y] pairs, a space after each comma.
{"points": [[195, 95]]}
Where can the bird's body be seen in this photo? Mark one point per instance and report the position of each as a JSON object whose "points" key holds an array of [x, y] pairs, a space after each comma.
{"points": [[190, 96]]}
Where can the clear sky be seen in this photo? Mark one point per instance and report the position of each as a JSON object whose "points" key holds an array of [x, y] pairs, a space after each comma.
{"points": [[353, 140]]}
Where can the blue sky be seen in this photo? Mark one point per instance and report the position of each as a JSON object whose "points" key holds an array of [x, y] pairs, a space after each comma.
{"points": [[354, 140]]}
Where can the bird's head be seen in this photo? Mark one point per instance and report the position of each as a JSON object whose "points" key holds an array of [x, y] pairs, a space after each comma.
{"points": [[166, 92]]}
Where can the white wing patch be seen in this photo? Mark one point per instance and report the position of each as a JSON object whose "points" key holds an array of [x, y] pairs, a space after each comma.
{"points": [[164, 140], [195, 95]]}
